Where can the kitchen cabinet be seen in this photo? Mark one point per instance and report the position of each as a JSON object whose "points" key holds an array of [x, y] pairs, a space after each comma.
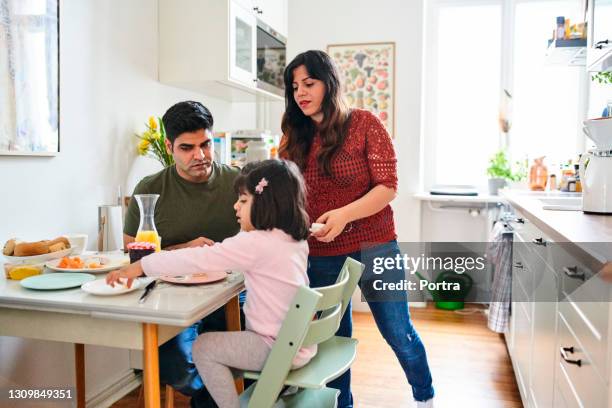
{"points": [[599, 54], [532, 324], [271, 12], [210, 46], [560, 326]]}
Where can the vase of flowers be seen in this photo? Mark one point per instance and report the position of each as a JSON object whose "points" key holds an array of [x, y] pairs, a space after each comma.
{"points": [[153, 142]]}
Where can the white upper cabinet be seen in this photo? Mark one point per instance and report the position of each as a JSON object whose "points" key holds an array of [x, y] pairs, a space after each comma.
{"points": [[272, 13], [210, 46], [599, 56], [242, 45]]}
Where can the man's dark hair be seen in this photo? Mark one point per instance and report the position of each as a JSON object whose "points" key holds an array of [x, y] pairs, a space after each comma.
{"points": [[282, 203], [188, 116]]}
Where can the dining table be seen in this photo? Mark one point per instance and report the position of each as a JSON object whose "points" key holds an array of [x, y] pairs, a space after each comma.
{"points": [[75, 316]]}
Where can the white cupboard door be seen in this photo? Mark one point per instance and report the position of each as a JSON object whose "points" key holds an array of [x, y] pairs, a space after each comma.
{"points": [[274, 14], [243, 46]]}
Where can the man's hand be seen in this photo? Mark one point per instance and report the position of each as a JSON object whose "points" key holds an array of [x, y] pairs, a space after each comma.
{"points": [[194, 243], [335, 221], [199, 242], [129, 272]]}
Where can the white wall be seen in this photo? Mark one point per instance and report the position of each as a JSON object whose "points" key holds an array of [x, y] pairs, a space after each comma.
{"points": [[108, 89], [314, 24]]}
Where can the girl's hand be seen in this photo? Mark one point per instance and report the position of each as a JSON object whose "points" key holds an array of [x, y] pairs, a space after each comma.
{"points": [[129, 272], [335, 221]]}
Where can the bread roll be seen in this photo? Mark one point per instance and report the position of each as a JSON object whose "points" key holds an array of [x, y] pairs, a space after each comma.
{"points": [[60, 246], [57, 240], [31, 248], [40, 247], [9, 247]]}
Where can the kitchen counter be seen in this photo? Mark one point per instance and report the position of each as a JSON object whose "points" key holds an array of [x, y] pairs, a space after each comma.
{"points": [[481, 198], [565, 226]]}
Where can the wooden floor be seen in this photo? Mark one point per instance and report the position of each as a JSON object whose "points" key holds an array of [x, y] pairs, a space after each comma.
{"points": [[469, 363]]}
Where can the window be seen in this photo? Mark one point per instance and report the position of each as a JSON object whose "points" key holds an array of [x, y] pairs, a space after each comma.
{"points": [[546, 97], [476, 49], [29, 90]]}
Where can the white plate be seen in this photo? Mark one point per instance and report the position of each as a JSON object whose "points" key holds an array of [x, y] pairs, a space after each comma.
{"points": [[101, 288], [38, 258], [107, 264]]}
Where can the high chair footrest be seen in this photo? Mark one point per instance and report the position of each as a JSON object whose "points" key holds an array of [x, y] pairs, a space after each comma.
{"points": [[308, 398]]}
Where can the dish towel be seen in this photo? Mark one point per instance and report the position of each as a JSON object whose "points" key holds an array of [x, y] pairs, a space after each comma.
{"points": [[499, 252]]}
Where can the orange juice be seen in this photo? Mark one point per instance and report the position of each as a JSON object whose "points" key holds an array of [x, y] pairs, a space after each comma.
{"points": [[149, 236]]}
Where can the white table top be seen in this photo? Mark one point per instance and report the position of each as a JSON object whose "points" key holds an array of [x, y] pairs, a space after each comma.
{"points": [[169, 304]]}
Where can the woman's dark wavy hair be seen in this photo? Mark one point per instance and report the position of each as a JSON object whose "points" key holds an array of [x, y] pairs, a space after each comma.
{"points": [[299, 129], [282, 203]]}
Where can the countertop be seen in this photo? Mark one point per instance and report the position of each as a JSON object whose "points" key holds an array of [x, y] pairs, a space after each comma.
{"points": [[565, 226], [480, 198]]}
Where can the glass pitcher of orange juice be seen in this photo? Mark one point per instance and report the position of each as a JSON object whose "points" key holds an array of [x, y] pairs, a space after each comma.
{"points": [[146, 229]]}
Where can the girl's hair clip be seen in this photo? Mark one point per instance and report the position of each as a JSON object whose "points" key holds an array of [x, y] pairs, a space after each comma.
{"points": [[259, 188]]}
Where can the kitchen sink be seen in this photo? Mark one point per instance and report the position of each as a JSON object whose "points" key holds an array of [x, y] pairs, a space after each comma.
{"points": [[562, 203]]}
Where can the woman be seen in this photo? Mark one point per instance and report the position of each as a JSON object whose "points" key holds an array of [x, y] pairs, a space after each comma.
{"points": [[349, 165]]}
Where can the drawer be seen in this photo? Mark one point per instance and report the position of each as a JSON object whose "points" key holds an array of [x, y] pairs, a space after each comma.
{"points": [[580, 384], [519, 293], [525, 228], [522, 268], [588, 322], [565, 394]]}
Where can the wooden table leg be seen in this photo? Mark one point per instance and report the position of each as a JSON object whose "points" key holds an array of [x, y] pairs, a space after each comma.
{"points": [[151, 366], [79, 364], [232, 322]]}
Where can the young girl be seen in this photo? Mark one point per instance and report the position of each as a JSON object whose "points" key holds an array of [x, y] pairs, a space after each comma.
{"points": [[270, 250], [349, 166]]}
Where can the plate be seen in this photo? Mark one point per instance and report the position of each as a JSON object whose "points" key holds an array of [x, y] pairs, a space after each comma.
{"points": [[197, 279], [38, 258], [108, 265], [100, 288], [53, 281]]}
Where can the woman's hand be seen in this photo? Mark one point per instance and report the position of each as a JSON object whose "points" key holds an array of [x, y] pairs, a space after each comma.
{"points": [[129, 272], [335, 221]]}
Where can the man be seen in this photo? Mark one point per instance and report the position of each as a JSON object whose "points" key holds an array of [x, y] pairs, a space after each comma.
{"points": [[195, 208]]}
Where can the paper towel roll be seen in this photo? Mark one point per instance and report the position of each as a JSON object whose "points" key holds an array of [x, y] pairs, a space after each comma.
{"points": [[110, 228]]}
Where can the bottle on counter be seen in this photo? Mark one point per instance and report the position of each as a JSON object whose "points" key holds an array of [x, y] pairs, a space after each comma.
{"points": [[560, 33], [577, 177], [552, 185], [538, 175]]}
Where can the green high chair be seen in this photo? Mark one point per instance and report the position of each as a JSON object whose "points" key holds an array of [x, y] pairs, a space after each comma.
{"points": [[314, 318]]}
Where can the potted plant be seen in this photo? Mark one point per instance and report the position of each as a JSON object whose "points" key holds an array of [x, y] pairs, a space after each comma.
{"points": [[500, 172]]}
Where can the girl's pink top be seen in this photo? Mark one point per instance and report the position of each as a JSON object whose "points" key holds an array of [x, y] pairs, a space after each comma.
{"points": [[274, 266]]}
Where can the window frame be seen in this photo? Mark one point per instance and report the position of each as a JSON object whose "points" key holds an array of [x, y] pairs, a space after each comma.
{"points": [[429, 143]]}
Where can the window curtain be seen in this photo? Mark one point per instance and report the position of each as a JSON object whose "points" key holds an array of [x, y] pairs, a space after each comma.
{"points": [[29, 76]]}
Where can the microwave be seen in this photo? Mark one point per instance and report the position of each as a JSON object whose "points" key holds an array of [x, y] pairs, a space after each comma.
{"points": [[271, 59]]}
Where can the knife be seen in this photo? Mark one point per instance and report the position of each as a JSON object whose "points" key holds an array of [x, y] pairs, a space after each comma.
{"points": [[148, 290]]}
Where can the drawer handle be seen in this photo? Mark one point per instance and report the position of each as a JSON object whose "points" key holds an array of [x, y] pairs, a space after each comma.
{"points": [[539, 241], [518, 265], [564, 351], [572, 272]]}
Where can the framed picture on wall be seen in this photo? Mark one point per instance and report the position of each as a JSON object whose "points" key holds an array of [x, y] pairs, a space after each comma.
{"points": [[368, 74], [29, 77]]}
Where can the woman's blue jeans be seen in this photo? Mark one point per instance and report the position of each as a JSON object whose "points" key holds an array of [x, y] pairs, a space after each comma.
{"points": [[391, 316]]}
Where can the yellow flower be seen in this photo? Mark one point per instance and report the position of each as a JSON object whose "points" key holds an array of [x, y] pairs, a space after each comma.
{"points": [[152, 123], [156, 136], [143, 147]]}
